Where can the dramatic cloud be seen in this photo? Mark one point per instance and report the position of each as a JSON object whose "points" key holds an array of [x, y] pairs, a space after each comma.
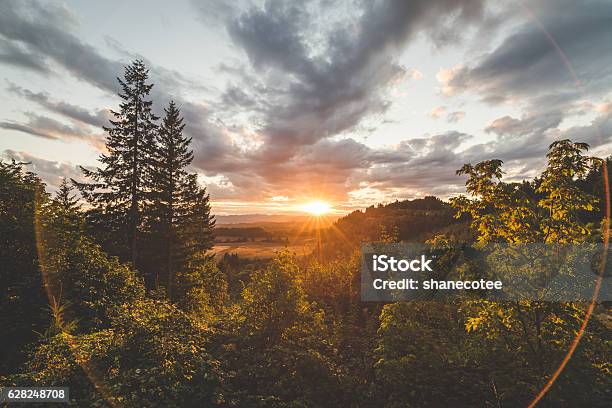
{"points": [[528, 124], [41, 29], [298, 104], [98, 119], [311, 78], [553, 67], [439, 156], [17, 56], [48, 128], [536, 59], [45, 31], [324, 86]]}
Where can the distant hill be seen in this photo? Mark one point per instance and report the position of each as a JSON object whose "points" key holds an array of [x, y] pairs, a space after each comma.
{"points": [[269, 218], [409, 220]]}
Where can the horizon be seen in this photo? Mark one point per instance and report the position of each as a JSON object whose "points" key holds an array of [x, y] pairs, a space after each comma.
{"points": [[289, 104]]}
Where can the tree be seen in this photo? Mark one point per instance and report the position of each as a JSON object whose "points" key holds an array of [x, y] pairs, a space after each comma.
{"points": [[179, 213], [66, 199], [424, 357], [65, 212], [149, 354], [506, 350], [23, 302], [278, 345], [202, 289], [118, 191], [90, 284], [564, 199], [546, 211]]}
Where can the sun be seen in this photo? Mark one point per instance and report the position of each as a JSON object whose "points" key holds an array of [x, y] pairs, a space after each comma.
{"points": [[316, 207]]}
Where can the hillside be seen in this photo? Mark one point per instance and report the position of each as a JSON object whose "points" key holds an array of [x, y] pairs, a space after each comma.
{"points": [[409, 220]]}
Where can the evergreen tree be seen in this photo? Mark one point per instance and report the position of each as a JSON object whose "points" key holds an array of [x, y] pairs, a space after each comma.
{"points": [[118, 191], [179, 217], [66, 199], [67, 209]]}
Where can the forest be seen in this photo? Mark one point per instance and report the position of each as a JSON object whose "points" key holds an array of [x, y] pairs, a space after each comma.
{"points": [[108, 287]]}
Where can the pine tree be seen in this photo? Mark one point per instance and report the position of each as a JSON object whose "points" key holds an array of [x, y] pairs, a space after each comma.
{"points": [[118, 191], [180, 219], [64, 212], [66, 200]]}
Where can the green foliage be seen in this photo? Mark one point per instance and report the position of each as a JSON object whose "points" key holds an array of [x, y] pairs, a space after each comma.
{"points": [[202, 289], [23, 300], [424, 356], [564, 199], [291, 332], [409, 221], [151, 354], [335, 286], [278, 347], [547, 210], [90, 282]]}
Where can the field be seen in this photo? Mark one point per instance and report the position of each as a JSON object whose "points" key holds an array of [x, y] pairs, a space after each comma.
{"points": [[261, 250], [262, 239]]}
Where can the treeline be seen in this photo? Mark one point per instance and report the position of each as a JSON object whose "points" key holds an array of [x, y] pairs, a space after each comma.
{"points": [[250, 234], [143, 207], [74, 315], [409, 220], [245, 232]]}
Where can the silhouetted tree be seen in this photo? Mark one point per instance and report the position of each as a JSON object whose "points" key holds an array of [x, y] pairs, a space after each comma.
{"points": [[179, 213], [118, 191]]}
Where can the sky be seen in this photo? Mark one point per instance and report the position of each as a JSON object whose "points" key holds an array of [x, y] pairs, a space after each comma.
{"points": [[350, 102]]}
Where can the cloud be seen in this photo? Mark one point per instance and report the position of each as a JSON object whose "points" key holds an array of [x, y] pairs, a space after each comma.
{"points": [[51, 172], [433, 160], [604, 107], [310, 74], [49, 128], [436, 112], [40, 29], [19, 127], [310, 78], [218, 12], [415, 74], [20, 57], [454, 117], [323, 86], [45, 31], [97, 119], [431, 167], [529, 63]]}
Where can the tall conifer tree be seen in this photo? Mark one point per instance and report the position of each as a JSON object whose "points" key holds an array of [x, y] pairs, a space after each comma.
{"points": [[65, 198], [180, 219], [118, 191], [64, 213]]}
